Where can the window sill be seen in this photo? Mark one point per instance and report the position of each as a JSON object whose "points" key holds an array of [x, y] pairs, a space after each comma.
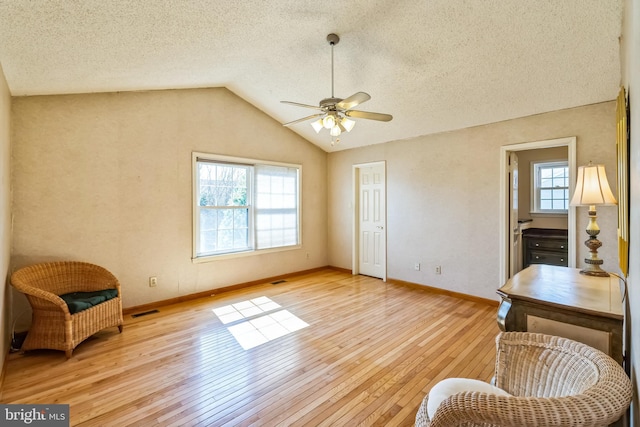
{"points": [[550, 214], [211, 258]]}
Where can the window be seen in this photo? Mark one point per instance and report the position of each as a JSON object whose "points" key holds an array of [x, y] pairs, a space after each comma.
{"points": [[550, 189], [243, 205]]}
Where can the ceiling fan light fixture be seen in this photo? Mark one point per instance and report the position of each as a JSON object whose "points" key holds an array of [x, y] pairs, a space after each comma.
{"points": [[329, 122], [347, 124], [334, 111], [317, 125]]}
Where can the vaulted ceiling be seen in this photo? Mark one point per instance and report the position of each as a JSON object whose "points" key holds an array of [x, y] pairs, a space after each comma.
{"points": [[435, 65]]}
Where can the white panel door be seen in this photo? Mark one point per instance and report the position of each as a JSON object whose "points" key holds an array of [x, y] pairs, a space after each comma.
{"points": [[515, 250], [372, 222]]}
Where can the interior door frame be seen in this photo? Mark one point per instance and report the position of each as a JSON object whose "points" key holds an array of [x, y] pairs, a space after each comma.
{"points": [[505, 231], [355, 202]]}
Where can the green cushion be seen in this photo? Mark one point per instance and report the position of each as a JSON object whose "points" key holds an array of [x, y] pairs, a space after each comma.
{"points": [[78, 301]]}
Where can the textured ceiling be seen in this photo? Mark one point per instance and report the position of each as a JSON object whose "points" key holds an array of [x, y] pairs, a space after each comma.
{"points": [[435, 65]]}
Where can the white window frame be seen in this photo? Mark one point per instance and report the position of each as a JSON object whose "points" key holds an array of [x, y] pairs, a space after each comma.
{"points": [[535, 186], [251, 163]]}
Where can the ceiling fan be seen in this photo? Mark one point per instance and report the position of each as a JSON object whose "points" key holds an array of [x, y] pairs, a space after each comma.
{"points": [[335, 112]]}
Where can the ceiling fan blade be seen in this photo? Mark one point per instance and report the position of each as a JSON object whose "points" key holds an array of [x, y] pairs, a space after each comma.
{"points": [[368, 115], [352, 101], [313, 116], [297, 104]]}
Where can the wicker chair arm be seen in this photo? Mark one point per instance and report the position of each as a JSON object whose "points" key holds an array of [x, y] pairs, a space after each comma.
{"points": [[482, 409], [43, 299]]}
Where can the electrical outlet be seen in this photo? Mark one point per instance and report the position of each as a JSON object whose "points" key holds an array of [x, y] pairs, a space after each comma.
{"points": [[416, 266], [438, 269], [153, 281]]}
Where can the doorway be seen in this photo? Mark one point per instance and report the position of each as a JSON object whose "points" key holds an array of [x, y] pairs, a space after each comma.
{"points": [[370, 220], [507, 220]]}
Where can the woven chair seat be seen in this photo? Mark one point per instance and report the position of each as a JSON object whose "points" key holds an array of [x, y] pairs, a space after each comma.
{"points": [[553, 381], [52, 325]]}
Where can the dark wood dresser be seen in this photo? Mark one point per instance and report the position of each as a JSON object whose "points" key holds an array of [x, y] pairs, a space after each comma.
{"points": [[545, 246]]}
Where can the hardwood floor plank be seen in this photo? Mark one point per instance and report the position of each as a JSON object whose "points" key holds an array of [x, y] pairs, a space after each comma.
{"points": [[369, 354]]}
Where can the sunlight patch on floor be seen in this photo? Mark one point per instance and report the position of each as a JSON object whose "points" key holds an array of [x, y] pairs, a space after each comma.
{"points": [[261, 329]]}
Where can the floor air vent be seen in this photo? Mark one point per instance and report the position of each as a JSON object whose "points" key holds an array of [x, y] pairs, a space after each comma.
{"points": [[277, 282], [144, 313]]}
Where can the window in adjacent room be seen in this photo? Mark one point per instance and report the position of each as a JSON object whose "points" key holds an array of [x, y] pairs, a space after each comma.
{"points": [[550, 189], [244, 205]]}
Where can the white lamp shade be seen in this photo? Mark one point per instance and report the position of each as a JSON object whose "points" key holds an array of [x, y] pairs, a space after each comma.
{"points": [[317, 125], [592, 187], [348, 124], [335, 131], [329, 122]]}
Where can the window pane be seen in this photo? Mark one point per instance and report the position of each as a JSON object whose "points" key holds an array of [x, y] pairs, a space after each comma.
{"points": [[276, 221], [263, 222], [290, 234], [290, 220], [240, 238], [225, 219], [208, 241], [208, 219], [559, 204], [289, 201], [558, 194], [546, 183], [263, 238], [545, 194], [225, 239], [545, 204], [241, 218]]}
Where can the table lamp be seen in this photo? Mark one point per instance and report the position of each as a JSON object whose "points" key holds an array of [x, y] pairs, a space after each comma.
{"points": [[592, 189]]}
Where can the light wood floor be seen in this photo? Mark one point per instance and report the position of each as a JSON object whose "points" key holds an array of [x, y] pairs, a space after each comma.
{"points": [[370, 353]]}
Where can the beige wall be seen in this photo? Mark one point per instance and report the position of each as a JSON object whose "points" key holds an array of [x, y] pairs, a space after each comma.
{"points": [[443, 197], [106, 178], [631, 79], [5, 215], [525, 158]]}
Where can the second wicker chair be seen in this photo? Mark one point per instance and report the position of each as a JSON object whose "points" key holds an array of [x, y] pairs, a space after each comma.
{"points": [[553, 381]]}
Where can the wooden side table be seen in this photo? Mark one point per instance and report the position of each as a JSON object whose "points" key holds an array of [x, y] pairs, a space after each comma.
{"points": [[561, 301]]}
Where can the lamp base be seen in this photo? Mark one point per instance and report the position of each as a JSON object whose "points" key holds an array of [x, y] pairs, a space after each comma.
{"points": [[593, 262], [594, 270]]}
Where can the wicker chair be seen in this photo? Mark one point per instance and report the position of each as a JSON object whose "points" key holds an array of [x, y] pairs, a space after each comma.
{"points": [[52, 325], [553, 382]]}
